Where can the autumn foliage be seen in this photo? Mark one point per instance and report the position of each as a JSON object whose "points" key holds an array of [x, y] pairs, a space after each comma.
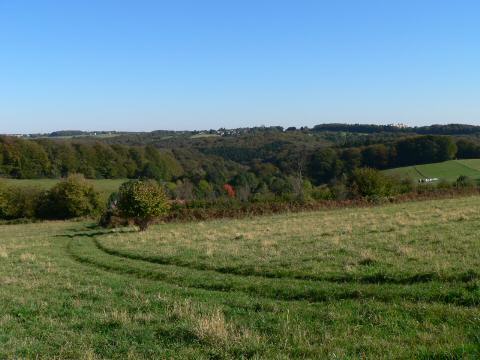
{"points": [[230, 190]]}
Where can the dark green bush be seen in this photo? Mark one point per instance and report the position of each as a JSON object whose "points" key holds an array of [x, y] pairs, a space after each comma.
{"points": [[142, 201], [371, 183], [70, 198]]}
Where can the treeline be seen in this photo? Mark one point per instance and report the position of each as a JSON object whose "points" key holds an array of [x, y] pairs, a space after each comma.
{"points": [[142, 201], [326, 165], [30, 159], [449, 129], [271, 169]]}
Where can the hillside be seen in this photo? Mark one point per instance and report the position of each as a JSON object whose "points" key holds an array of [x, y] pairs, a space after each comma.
{"points": [[397, 281], [447, 170]]}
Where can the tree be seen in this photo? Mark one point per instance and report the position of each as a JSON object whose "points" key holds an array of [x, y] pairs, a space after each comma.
{"points": [[324, 166], [230, 190], [151, 171], [371, 183], [375, 156], [205, 190], [352, 159], [425, 149], [72, 197], [142, 201], [467, 149]]}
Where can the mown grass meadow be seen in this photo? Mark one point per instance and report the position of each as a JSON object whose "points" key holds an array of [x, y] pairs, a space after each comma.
{"points": [[394, 281]]}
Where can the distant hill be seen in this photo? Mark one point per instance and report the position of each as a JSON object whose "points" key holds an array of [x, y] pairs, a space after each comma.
{"points": [[447, 170]]}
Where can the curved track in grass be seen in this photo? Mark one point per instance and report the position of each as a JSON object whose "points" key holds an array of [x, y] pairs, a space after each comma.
{"points": [[375, 278], [86, 249]]}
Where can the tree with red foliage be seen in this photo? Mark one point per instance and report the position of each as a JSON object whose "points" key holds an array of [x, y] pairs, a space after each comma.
{"points": [[230, 190]]}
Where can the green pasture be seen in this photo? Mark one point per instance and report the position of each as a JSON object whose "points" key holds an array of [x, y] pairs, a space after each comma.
{"points": [[104, 186], [448, 170], [391, 282]]}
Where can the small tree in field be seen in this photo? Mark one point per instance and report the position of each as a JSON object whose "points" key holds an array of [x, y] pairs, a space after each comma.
{"points": [[142, 201]]}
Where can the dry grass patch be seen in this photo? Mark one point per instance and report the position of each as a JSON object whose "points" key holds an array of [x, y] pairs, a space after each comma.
{"points": [[27, 257], [210, 325]]}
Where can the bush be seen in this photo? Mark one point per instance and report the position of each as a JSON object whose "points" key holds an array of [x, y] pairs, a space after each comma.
{"points": [[371, 183], [322, 193], [18, 202], [111, 217], [72, 197], [464, 182], [142, 201], [405, 186], [444, 184]]}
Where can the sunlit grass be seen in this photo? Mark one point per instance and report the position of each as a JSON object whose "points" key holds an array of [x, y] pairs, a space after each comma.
{"points": [[398, 281]]}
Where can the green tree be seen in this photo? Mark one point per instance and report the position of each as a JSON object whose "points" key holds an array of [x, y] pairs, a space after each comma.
{"points": [[375, 156], [72, 197], [371, 183], [142, 201], [324, 166], [205, 190]]}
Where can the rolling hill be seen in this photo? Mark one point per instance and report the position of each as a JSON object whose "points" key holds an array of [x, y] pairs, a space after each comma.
{"points": [[447, 170]]}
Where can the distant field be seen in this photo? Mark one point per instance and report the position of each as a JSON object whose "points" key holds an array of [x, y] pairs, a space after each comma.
{"points": [[448, 170], [104, 186], [199, 136], [392, 282]]}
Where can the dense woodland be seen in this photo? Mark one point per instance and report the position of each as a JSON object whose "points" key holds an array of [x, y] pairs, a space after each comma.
{"points": [[253, 161]]}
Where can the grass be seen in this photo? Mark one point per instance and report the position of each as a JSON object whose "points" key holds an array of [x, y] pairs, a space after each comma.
{"points": [[104, 186], [448, 170], [396, 281]]}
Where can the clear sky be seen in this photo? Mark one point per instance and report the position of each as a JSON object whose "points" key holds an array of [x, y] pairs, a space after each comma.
{"points": [[146, 65]]}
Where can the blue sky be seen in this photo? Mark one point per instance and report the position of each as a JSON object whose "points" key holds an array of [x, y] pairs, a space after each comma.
{"points": [[146, 65]]}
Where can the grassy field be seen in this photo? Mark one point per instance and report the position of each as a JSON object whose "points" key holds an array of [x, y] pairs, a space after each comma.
{"points": [[397, 281], [104, 186], [448, 170]]}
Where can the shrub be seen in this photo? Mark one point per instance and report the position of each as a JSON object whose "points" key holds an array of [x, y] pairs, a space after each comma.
{"points": [[405, 186], [371, 183], [23, 202], [322, 193], [18, 202], [111, 217], [444, 184], [72, 197], [464, 182], [142, 201]]}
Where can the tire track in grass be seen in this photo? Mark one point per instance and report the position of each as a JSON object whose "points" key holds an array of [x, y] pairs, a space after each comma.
{"points": [[419, 172], [86, 252], [375, 278]]}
